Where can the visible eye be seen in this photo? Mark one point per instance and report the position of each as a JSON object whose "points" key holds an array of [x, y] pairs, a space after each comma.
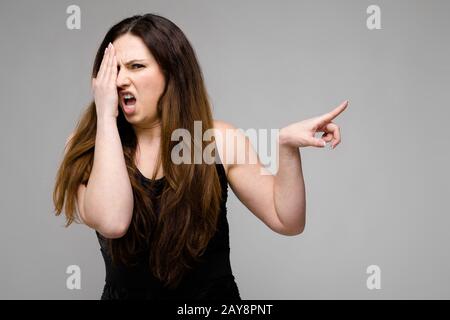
{"points": [[136, 66]]}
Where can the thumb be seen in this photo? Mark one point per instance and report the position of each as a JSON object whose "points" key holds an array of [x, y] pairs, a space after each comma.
{"points": [[319, 143]]}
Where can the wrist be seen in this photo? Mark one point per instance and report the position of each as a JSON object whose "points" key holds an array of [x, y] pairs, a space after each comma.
{"points": [[106, 120], [284, 138], [106, 117]]}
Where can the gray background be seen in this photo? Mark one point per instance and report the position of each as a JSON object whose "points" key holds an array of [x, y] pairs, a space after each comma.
{"points": [[379, 198]]}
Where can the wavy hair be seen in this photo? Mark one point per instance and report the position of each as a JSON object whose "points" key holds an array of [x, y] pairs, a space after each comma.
{"points": [[190, 199]]}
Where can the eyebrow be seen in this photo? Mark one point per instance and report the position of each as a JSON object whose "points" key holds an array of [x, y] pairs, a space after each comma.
{"points": [[134, 60]]}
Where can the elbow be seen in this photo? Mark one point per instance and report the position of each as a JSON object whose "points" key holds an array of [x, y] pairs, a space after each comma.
{"points": [[109, 228], [112, 224], [294, 230], [113, 231], [113, 235], [290, 231], [300, 230], [115, 228]]}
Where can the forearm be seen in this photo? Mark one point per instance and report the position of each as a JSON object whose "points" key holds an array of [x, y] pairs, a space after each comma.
{"points": [[289, 187], [109, 196]]}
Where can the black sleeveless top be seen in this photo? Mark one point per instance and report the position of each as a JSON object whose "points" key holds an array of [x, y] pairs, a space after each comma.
{"points": [[210, 279]]}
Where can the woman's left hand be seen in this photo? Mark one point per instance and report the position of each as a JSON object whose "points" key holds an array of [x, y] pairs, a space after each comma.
{"points": [[301, 134]]}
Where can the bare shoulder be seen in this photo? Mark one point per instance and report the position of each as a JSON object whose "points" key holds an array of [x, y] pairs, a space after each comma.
{"points": [[223, 125], [225, 148], [220, 127]]}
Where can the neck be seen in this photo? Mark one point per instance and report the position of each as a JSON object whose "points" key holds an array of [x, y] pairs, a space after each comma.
{"points": [[148, 134]]}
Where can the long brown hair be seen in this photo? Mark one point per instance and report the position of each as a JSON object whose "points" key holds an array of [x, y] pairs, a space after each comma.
{"points": [[190, 200]]}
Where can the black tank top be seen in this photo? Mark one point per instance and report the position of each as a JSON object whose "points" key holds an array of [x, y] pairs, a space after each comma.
{"points": [[210, 279]]}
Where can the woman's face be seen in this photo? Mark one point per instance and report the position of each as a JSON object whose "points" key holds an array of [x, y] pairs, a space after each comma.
{"points": [[140, 75]]}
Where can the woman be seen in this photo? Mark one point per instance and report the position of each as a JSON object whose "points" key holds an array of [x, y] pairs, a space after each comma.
{"points": [[162, 224]]}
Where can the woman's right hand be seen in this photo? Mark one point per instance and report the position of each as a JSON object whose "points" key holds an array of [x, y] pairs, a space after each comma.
{"points": [[104, 86]]}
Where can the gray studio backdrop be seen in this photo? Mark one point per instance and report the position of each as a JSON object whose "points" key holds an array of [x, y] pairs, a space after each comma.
{"points": [[380, 198]]}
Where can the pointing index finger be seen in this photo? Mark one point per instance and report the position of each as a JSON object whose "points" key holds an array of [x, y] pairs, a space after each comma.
{"points": [[335, 112]]}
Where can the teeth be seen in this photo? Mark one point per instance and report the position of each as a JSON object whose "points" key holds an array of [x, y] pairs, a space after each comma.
{"points": [[128, 96]]}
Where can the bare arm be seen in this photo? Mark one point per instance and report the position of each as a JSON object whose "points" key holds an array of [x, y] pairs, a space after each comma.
{"points": [[108, 197], [254, 189], [289, 188], [279, 201], [107, 202]]}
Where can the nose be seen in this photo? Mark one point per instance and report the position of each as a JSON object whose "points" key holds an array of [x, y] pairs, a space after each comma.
{"points": [[123, 80]]}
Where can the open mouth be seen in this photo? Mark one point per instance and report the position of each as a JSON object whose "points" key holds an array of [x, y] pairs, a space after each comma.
{"points": [[128, 99]]}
